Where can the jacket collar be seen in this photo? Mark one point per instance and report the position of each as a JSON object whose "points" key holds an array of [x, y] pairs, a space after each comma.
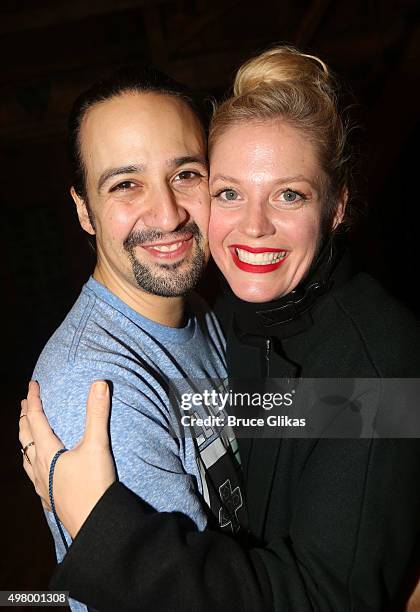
{"points": [[291, 314]]}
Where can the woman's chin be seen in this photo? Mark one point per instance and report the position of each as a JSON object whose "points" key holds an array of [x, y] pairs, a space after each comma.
{"points": [[255, 294]]}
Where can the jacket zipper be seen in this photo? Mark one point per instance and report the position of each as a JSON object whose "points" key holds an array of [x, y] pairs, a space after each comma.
{"points": [[267, 356]]}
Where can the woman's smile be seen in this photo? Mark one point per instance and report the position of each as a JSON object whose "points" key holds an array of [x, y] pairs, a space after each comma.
{"points": [[265, 222], [258, 260]]}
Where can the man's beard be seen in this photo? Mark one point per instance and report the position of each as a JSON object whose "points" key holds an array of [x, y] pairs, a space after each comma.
{"points": [[173, 282]]}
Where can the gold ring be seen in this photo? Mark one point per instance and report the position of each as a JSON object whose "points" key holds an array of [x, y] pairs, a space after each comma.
{"points": [[25, 449]]}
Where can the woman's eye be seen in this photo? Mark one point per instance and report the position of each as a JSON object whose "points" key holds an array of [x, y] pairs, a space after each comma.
{"points": [[229, 195], [291, 196], [123, 186]]}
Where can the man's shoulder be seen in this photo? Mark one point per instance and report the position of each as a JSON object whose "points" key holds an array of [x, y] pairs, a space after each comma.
{"points": [[388, 329], [65, 377], [58, 347], [91, 329]]}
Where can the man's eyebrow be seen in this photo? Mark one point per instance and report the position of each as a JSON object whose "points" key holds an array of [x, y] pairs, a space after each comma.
{"points": [[188, 159], [110, 172], [134, 168]]}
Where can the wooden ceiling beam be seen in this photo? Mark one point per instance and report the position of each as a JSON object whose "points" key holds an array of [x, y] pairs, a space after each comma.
{"points": [[63, 12], [395, 114], [311, 22], [155, 37], [201, 24], [207, 72]]}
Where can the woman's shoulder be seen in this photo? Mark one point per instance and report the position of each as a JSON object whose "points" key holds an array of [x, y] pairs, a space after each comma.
{"points": [[366, 298], [389, 330]]}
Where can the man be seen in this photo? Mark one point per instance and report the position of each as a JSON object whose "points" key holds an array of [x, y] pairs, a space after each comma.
{"points": [[140, 187]]}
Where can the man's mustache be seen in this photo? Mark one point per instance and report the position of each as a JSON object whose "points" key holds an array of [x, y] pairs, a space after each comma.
{"points": [[147, 236]]}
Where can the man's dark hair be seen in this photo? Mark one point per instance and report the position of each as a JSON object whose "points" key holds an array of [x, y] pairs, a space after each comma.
{"points": [[131, 78]]}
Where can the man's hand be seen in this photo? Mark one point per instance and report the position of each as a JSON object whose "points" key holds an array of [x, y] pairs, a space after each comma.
{"points": [[81, 475]]}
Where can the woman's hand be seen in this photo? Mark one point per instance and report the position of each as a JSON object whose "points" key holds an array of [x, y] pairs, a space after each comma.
{"points": [[81, 475]]}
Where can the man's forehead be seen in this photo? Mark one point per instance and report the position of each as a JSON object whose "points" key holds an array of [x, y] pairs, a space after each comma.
{"points": [[141, 109], [141, 130], [144, 119]]}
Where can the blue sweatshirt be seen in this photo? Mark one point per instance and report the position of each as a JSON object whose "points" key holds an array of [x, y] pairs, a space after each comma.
{"points": [[149, 365]]}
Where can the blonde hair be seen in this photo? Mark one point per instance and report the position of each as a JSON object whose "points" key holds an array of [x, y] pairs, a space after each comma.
{"points": [[299, 88]]}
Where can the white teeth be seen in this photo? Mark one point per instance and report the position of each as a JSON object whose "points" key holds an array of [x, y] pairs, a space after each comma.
{"points": [[260, 259], [167, 248]]}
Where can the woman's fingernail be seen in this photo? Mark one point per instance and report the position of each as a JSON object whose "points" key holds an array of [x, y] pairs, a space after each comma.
{"points": [[31, 384], [100, 388]]}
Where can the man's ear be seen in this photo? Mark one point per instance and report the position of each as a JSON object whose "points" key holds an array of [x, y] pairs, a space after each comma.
{"points": [[82, 212], [341, 208]]}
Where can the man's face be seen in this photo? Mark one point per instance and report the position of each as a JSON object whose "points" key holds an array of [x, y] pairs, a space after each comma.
{"points": [[144, 156]]}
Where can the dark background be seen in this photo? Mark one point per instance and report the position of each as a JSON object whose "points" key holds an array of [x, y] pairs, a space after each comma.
{"points": [[51, 50]]}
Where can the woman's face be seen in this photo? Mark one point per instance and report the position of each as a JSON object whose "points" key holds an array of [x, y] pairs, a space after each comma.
{"points": [[266, 189]]}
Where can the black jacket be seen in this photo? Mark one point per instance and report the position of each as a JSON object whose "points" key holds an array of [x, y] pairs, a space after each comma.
{"points": [[333, 522]]}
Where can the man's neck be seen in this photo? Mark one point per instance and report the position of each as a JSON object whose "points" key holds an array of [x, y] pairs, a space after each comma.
{"points": [[163, 310]]}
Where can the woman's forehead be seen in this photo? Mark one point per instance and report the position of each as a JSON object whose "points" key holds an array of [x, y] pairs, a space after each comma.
{"points": [[258, 148]]}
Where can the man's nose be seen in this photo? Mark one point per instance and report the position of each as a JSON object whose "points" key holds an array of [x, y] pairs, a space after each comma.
{"points": [[163, 210], [255, 220]]}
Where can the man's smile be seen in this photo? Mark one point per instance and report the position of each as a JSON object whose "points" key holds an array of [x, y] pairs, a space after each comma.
{"points": [[169, 250]]}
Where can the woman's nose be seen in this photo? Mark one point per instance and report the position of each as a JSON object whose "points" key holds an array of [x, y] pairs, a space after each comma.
{"points": [[255, 221]]}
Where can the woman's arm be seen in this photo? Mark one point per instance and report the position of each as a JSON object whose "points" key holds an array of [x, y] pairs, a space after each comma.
{"points": [[83, 474], [128, 556]]}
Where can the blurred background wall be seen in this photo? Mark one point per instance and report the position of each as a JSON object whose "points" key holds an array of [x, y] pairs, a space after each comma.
{"points": [[51, 50]]}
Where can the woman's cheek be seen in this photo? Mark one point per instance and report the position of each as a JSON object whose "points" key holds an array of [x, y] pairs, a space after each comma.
{"points": [[305, 231], [217, 232]]}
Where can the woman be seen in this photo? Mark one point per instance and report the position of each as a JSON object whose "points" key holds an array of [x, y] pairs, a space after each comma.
{"points": [[333, 523]]}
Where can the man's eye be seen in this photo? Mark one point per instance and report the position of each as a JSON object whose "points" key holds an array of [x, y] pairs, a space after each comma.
{"points": [[229, 195], [123, 186], [187, 175]]}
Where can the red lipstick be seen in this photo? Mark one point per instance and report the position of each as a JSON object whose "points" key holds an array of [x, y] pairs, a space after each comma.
{"points": [[256, 269]]}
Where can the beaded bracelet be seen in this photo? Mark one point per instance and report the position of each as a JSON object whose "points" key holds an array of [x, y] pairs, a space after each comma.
{"points": [[50, 491]]}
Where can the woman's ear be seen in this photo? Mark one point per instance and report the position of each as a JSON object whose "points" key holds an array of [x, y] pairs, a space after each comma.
{"points": [[82, 212], [341, 208]]}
